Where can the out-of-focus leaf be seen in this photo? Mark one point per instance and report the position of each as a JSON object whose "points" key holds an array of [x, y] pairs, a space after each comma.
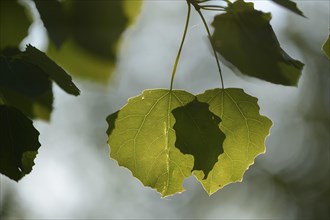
{"points": [[25, 81], [55, 72], [290, 5], [54, 19], [197, 133], [326, 48], [245, 38], [143, 140], [14, 23], [21, 76], [96, 28], [80, 63], [39, 106], [25, 86], [18, 143], [245, 130]]}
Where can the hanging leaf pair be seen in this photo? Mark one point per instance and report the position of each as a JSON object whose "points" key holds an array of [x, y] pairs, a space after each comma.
{"points": [[164, 136]]}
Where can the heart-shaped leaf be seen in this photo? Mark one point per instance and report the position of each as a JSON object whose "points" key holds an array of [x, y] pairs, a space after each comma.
{"points": [[142, 139]]}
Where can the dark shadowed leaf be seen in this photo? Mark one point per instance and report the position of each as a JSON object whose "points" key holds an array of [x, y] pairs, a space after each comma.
{"points": [[197, 133], [18, 142], [97, 25], [245, 130], [25, 81], [55, 72], [54, 19], [142, 139], [288, 4], [111, 119], [14, 23], [245, 38], [25, 86], [326, 48], [21, 76]]}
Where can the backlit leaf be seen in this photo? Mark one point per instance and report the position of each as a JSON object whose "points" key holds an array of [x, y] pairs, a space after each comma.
{"points": [[326, 48], [18, 143], [245, 130], [143, 140], [290, 5], [245, 38], [14, 23]]}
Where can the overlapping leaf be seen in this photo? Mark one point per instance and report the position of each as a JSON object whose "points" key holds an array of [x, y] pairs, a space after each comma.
{"points": [[18, 143], [95, 31], [14, 23], [245, 38], [245, 130], [290, 5], [198, 134]]}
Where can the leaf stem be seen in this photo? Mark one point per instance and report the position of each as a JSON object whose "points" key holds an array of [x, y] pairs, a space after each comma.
{"points": [[213, 48], [182, 42]]}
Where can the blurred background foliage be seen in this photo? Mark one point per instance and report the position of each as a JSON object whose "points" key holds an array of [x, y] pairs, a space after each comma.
{"points": [[74, 178]]}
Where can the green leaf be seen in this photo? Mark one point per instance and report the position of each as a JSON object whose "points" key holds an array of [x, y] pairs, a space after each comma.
{"points": [[245, 38], [96, 29], [25, 86], [80, 63], [14, 23], [25, 81], [326, 48], [55, 20], [20, 76], [18, 142], [245, 130], [292, 6], [55, 72], [142, 139], [197, 133], [39, 106]]}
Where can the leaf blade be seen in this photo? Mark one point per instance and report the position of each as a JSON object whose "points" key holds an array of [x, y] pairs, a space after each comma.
{"points": [[55, 72], [290, 5], [143, 132], [245, 131], [14, 23], [245, 38], [19, 143]]}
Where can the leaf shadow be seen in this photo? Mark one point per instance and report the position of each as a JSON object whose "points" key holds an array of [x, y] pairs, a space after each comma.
{"points": [[111, 119], [197, 133]]}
